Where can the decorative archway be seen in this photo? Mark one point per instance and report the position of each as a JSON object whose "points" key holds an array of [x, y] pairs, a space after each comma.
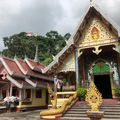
{"points": [[101, 67], [101, 72]]}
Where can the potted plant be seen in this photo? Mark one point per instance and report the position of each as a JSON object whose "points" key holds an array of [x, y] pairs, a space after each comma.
{"points": [[117, 92], [64, 81], [10, 102], [81, 92]]}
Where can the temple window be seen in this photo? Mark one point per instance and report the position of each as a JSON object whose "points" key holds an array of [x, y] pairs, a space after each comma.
{"points": [[38, 93], [15, 92], [28, 93], [3, 93]]}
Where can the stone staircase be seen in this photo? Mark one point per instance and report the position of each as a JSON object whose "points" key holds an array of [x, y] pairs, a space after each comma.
{"points": [[78, 111]]}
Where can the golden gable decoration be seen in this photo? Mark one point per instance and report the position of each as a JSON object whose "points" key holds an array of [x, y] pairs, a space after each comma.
{"points": [[96, 32], [68, 64], [93, 97]]}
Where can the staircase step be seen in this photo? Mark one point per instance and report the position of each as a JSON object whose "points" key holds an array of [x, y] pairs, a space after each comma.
{"points": [[76, 118], [112, 116], [73, 118], [84, 115], [105, 110], [82, 108], [116, 106], [75, 115], [78, 111], [84, 112]]}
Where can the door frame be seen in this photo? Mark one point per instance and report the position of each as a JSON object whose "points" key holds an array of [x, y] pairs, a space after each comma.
{"points": [[110, 72], [103, 81]]}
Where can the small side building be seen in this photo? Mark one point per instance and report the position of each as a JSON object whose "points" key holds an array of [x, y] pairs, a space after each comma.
{"points": [[24, 79]]}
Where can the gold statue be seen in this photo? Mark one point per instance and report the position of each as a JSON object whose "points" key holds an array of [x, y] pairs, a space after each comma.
{"points": [[95, 33], [53, 97], [93, 97]]}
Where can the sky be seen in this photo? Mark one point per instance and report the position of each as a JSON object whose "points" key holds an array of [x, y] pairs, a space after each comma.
{"points": [[41, 16]]}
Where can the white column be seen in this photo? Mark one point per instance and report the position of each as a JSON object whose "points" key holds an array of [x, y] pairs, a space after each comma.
{"points": [[20, 94], [55, 83], [1, 94], [8, 90], [11, 88], [77, 67]]}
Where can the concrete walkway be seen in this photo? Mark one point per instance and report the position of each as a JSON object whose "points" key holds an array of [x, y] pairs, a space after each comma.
{"points": [[31, 115]]}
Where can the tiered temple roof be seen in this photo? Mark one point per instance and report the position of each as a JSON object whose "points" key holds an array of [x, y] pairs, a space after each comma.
{"points": [[25, 73]]}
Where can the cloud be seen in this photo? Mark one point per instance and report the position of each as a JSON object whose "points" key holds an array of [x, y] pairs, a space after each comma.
{"points": [[111, 8], [41, 16], [31, 15], [72, 13]]}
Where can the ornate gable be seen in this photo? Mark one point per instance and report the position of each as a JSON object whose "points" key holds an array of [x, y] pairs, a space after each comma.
{"points": [[97, 31], [68, 64]]}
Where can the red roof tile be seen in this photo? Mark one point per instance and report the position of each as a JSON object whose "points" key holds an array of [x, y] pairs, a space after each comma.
{"points": [[1, 68], [27, 68], [24, 65], [12, 66], [21, 68], [36, 64]]}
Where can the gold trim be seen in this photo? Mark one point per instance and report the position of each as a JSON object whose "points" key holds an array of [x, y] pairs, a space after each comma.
{"points": [[93, 97]]}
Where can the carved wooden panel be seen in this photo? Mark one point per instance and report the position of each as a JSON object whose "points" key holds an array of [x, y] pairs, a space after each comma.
{"points": [[96, 32], [68, 64]]}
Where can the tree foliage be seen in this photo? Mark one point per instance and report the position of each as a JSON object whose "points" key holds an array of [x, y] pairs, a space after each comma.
{"points": [[21, 45]]}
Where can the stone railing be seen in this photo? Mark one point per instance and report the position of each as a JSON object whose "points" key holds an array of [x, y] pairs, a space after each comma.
{"points": [[68, 88]]}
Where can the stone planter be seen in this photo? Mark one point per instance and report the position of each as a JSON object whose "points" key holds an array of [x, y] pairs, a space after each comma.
{"points": [[95, 115]]}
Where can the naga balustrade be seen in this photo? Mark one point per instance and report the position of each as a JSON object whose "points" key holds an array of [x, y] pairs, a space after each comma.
{"points": [[64, 101]]}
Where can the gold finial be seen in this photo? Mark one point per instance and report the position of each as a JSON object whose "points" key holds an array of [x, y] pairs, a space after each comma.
{"points": [[93, 97], [92, 1]]}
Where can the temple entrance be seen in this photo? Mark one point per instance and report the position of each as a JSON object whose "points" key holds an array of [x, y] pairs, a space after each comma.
{"points": [[103, 84]]}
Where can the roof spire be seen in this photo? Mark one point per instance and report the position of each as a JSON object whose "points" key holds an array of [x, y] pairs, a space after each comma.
{"points": [[53, 57], [26, 56], [15, 57], [1, 54], [36, 54], [92, 1]]}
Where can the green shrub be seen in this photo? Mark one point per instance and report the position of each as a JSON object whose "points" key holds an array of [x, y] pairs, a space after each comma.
{"points": [[81, 92], [64, 81], [117, 91]]}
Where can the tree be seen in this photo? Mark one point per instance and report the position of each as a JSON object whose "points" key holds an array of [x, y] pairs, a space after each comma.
{"points": [[21, 45], [55, 42]]}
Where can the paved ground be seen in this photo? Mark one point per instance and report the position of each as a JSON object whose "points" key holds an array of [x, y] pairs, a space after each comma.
{"points": [[32, 115]]}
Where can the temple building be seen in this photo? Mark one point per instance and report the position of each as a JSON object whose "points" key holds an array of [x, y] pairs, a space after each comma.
{"points": [[24, 79], [91, 53]]}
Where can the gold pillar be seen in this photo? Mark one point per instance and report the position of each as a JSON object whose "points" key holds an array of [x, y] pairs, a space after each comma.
{"points": [[112, 85]]}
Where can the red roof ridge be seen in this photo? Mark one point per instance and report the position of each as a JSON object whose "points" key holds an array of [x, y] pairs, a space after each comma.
{"points": [[32, 64], [11, 66], [4, 57], [31, 82], [20, 66], [5, 64], [27, 61], [36, 62], [14, 82]]}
